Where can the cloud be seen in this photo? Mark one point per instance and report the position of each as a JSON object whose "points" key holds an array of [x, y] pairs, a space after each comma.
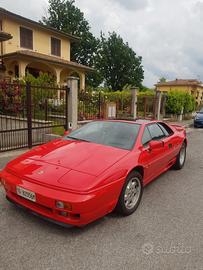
{"points": [[132, 4], [30, 9], [167, 34]]}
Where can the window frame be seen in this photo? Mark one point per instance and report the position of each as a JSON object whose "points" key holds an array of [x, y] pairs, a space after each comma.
{"points": [[146, 144], [153, 139], [161, 125], [58, 39], [21, 45]]}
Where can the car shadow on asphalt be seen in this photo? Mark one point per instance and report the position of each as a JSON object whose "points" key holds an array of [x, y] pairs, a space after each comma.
{"points": [[52, 227]]}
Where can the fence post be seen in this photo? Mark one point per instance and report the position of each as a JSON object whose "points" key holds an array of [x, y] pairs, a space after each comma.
{"points": [[99, 104], [164, 100], [66, 107], [145, 107], [29, 114], [157, 109], [46, 109], [180, 116], [73, 103], [134, 91]]}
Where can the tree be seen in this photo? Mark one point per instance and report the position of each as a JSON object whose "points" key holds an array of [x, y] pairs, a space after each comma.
{"points": [[144, 88], [65, 16], [162, 80], [118, 63], [115, 63]]}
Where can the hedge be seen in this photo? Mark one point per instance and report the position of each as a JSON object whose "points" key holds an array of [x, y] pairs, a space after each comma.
{"points": [[178, 100]]}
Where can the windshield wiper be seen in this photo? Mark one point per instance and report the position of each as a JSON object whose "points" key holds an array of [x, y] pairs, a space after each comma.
{"points": [[77, 139]]}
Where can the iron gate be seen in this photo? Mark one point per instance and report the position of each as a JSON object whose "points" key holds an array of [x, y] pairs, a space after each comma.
{"points": [[28, 113]]}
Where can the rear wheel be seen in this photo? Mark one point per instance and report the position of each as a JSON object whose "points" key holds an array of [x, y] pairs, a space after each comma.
{"points": [[180, 160], [131, 194]]}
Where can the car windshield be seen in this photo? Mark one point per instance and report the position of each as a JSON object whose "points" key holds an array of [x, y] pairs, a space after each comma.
{"points": [[201, 110], [117, 134]]}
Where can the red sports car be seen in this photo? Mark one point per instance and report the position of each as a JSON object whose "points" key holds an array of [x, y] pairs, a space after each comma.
{"points": [[93, 170]]}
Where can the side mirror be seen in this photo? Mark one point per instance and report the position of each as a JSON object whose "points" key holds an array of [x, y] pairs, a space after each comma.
{"points": [[66, 132], [155, 144]]}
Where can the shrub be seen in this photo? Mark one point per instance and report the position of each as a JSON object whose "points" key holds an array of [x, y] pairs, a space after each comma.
{"points": [[189, 103], [43, 79], [146, 93], [10, 98], [178, 100]]}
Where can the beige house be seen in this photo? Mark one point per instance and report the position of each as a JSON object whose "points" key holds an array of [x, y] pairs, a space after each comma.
{"points": [[36, 48], [193, 87]]}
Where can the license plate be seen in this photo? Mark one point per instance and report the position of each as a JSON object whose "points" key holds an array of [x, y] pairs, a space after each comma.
{"points": [[26, 194]]}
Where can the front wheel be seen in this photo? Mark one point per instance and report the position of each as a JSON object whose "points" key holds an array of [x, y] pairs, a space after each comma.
{"points": [[131, 194], [180, 160]]}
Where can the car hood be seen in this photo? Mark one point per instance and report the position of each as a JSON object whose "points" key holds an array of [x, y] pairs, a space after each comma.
{"points": [[200, 115], [70, 164]]}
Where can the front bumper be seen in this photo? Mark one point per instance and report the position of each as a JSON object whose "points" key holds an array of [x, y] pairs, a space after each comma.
{"points": [[85, 207], [38, 215], [198, 123]]}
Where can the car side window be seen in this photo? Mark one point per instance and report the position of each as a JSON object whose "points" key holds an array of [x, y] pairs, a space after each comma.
{"points": [[156, 132], [166, 129], [146, 137]]}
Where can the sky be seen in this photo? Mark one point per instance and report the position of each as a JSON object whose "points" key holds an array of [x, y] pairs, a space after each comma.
{"points": [[166, 33]]}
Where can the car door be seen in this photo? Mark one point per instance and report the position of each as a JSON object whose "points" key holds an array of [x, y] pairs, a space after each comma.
{"points": [[152, 159], [170, 144]]}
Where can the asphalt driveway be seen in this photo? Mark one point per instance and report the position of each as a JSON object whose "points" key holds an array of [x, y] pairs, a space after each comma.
{"points": [[166, 232]]}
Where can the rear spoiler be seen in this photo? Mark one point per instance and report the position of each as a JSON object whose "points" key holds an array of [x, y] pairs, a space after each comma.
{"points": [[178, 127]]}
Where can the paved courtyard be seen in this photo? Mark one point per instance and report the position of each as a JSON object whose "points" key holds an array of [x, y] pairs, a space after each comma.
{"points": [[166, 232]]}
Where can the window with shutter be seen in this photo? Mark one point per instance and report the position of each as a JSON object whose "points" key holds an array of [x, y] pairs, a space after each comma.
{"points": [[55, 46], [26, 38]]}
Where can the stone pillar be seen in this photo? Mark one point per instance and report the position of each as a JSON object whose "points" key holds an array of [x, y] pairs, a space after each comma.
{"points": [[73, 103], [58, 79], [157, 115], [58, 75], [22, 67], [163, 112], [82, 81], [134, 91]]}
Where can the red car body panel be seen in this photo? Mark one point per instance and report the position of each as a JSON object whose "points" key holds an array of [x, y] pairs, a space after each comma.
{"points": [[88, 176]]}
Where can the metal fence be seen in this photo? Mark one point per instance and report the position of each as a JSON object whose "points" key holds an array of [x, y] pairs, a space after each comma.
{"points": [[28, 113], [94, 105], [90, 105], [146, 106]]}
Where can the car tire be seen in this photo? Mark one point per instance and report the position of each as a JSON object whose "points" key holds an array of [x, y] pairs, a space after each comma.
{"points": [[131, 191], [181, 157]]}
